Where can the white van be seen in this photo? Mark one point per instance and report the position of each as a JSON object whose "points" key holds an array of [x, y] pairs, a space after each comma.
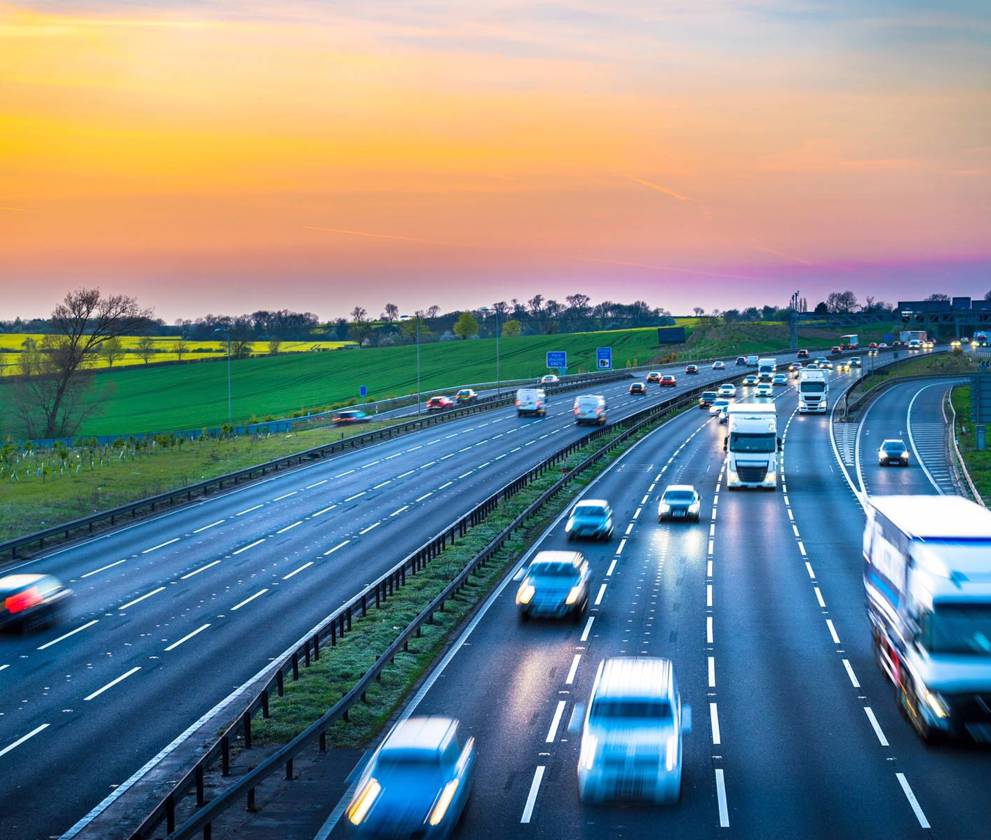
{"points": [[531, 401], [590, 408], [631, 736]]}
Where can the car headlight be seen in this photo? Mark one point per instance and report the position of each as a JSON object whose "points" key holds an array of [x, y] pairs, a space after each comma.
{"points": [[671, 752], [904, 456], [881, 454], [694, 507], [569, 526], [664, 507], [525, 593], [936, 703], [590, 745], [362, 803], [573, 595], [443, 802]]}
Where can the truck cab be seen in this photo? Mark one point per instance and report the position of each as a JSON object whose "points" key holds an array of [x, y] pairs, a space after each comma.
{"points": [[766, 368], [752, 445], [813, 388]]}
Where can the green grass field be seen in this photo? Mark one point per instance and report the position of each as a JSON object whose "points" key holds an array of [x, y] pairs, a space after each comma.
{"points": [[978, 462], [179, 397]]}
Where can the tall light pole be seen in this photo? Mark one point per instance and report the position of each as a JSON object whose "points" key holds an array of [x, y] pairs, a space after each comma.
{"points": [[486, 312], [230, 412], [416, 318]]}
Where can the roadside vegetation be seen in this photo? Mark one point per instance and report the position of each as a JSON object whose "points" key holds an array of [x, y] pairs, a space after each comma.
{"points": [[43, 487], [978, 463]]}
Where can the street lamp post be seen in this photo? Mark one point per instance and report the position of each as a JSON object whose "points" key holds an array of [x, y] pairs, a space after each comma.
{"points": [[416, 318], [486, 312], [230, 412]]}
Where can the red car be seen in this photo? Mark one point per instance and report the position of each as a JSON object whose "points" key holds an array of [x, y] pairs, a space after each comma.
{"points": [[439, 403], [668, 380]]}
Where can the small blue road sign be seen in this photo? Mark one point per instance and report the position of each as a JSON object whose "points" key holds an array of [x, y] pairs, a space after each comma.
{"points": [[603, 358], [557, 359]]}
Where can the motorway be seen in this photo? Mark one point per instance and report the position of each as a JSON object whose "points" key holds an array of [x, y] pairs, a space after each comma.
{"points": [[761, 609], [174, 612]]}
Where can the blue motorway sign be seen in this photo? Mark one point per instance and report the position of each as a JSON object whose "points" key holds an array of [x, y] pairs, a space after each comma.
{"points": [[557, 359], [603, 358], [363, 391]]}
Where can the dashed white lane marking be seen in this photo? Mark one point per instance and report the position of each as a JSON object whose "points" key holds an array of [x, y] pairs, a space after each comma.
{"points": [[466, 474], [187, 637], [296, 571], [394, 455], [403, 509], [249, 599], [588, 629], [208, 527], [62, 638], [248, 510], [445, 485], [381, 484], [708, 594], [712, 672], [819, 598], [629, 528], [612, 568], [315, 484], [708, 630], [195, 572], [424, 496], [850, 674], [721, 798], [808, 568], [407, 473], [15, 744], [602, 592], [285, 495], [832, 631], [569, 680], [371, 527], [103, 568], [355, 496], [714, 724], [112, 683], [531, 798], [162, 545], [247, 547], [622, 545], [555, 722], [325, 510], [337, 547], [142, 598], [875, 726], [5, 666], [346, 472], [295, 524], [909, 795]]}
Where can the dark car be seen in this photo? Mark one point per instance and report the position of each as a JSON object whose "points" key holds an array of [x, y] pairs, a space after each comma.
{"points": [[668, 380], [707, 398], [591, 518], [439, 403], [691, 370], [466, 396], [350, 418], [638, 389], [28, 602], [416, 783], [802, 354], [679, 501], [893, 451], [556, 585], [741, 361]]}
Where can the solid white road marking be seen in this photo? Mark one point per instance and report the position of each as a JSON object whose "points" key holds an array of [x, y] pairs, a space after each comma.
{"points": [[140, 599], [721, 798], [208, 527], [714, 723], [23, 738], [588, 629], [249, 599], [295, 572], [573, 669], [112, 683], [248, 546], [62, 638], [531, 798], [907, 790], [103, 568], [162, 545], [875, 726], [197, 571], [555, 722], [186, 638]]}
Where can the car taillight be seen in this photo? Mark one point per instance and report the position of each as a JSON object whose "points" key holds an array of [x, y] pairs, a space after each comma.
{"points": [[22, 600]]}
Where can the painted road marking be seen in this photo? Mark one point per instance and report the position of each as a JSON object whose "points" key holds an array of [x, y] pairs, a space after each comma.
{"points": [[197, 571], [531, 798], [248, 510], [103, 568], [569, 680], [555, 722], [907, 790], [335, 548], [295, 572], [23, 738], [248, 546], [187, 637], [112, 683], [162, 545], [249, 599], [139, 600], [208, 527], [63, 637], [875, 726], [721, 797]]}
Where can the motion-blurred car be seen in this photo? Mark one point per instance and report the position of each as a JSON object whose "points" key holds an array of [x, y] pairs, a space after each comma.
{"points": [[765, 389], [825, 364], [750, 380], [590, 519], [720, 365], [350, 417], [556, 585], [855, 362], [892, 452], [741, 361], [550, 379], [679, 501], [654, 376], [780, 379], [590, 408], [727, 389], [638, 389], [668, 380], [882, 346], [31, 601], [873, 345], [465, 396], [718, 405], [794, 367], [842, 367], [440, 403], [631, 733], [417, 782], [691, 370], [707, 398], [802, 354], [723, 416]]}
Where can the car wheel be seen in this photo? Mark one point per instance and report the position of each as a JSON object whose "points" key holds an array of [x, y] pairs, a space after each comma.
{"points": [[524, 616]]}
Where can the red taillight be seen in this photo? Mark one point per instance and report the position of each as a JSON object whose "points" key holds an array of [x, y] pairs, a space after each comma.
{"points": [[22, 600]]}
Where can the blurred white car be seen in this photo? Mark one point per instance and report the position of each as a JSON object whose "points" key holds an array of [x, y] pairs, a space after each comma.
{"points": [[727, 389], [718, 365], [765, 389], [718, 405]]}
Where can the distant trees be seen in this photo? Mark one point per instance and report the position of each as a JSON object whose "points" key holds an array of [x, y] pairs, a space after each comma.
{"points": [[841, 303], [391, 312], [466, 326], [180, 348], [821, 309], [274, 345], [145, 348], [512, 328], [938, 297], [111, 350]]}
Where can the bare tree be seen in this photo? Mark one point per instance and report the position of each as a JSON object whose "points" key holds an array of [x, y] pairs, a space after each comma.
{"points": [[391, 312], [433, 311], [146, 348], [358, 314], [180, 348], [841, 302], [274, 345], [536, 304], [50, 401], [699, 311]]}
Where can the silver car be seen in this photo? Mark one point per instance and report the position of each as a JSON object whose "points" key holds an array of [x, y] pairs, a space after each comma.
{"points": [[556, 585]]}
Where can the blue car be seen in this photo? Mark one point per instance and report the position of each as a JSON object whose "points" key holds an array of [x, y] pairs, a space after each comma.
{"points": [[590, 519], [417, 782], [556, 585]]}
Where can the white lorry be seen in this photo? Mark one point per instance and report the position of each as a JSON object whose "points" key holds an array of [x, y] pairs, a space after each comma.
{"points": [[751, 361], [766, 368], [752, 445], [927, 572], [813, 388], [530, 402]]}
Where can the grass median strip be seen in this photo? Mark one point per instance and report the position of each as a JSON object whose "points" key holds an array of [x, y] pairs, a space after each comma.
{"points": [[978, 462], [339, 668]]}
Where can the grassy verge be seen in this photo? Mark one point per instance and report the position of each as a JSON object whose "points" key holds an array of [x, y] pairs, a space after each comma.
{"points": [[326, 681], [42, 488], [978, 463], [936, 364]]}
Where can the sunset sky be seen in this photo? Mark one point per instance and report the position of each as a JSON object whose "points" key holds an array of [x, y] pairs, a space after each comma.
{"points": [[230, 156]]}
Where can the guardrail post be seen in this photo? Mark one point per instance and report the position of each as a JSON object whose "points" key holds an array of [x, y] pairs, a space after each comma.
{"points": [[225, 756], [207, 832], [316, 646], [200, 795], [247, 730], [170, 813], [333, 633], [251, 800], [264, 702], [306, 653], [280, 685], [323, 742], [295, 665], [289, 770]]}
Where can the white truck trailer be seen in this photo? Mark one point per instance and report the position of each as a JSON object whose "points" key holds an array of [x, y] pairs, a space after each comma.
{"points": [[752, 445], [927, 573], [813, 391]]}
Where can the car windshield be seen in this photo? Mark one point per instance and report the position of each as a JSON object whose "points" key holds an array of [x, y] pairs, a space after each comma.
{"points": [[721, 403], [679, 496], [590, 512], [958, 628], [744, 442], [895, 447], [708, 395], [606, 709], [812, 387], [554, 570]]}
